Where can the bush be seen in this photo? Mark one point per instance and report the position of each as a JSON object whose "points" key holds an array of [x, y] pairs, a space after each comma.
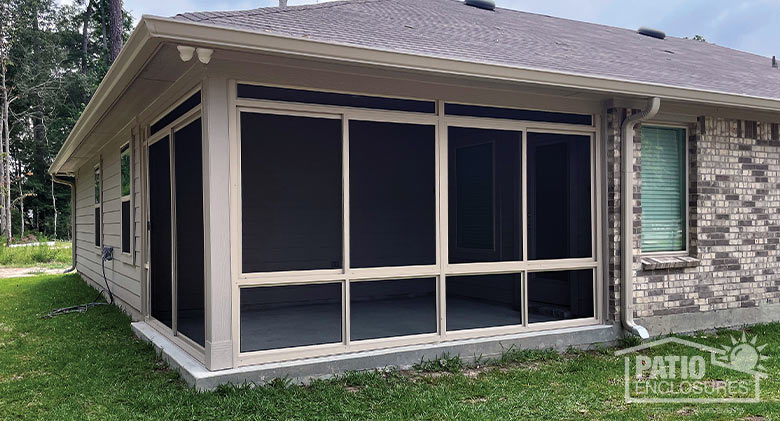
{"points": [[60, 253]]}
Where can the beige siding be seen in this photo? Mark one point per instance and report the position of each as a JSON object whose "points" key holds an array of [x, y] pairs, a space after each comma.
{"points": [[123, 273]]}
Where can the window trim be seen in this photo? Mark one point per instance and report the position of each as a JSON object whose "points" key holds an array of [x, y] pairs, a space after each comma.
{"points": [[442, 268], [686, 251], [127, 146]]}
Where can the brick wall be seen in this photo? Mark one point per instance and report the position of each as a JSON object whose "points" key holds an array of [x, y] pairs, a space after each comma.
{"points": [[734, 219]]}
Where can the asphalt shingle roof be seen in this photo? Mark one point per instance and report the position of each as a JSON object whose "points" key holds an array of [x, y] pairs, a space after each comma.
{"points": [[450, 29]]}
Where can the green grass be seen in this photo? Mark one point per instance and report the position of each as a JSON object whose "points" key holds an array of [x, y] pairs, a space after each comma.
{"points": [[89, 366], [58, 255]]}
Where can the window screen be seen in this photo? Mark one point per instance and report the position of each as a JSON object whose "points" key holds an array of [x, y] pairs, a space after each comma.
{"points": [[392, 194], [485, 196], [126, 226], [663, 189], [291, 185], [559, 196], [97, 226]]}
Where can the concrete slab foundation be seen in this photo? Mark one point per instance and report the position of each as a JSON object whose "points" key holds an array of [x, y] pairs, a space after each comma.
{"points": [[301, 371]]}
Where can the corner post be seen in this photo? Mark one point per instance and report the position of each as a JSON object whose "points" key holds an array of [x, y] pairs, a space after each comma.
{"points": [[216, 162]]}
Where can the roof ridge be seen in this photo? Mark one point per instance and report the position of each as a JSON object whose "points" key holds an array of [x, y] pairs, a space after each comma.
{"points": [[272, 9]]}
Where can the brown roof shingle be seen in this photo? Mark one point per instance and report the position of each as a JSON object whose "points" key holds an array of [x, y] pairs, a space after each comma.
{"points": [[450, 29]]}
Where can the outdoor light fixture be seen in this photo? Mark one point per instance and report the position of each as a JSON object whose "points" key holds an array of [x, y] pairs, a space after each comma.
{"points": [[204, 55], [185, 52]]}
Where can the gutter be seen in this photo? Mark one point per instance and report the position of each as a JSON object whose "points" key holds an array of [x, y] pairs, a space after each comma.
{"points": [[153, 30], [72, 185], [627, 224]]}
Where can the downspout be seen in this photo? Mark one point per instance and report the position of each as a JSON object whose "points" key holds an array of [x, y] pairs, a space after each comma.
{"points": [[627, 225], [72, 185]]}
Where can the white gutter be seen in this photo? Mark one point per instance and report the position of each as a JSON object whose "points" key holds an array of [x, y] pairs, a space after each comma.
{"points": [[627, 225]]}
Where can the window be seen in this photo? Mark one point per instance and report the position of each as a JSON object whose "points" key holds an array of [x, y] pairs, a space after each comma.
{"points": [[663, 189], [125, 184], [97, 205]]}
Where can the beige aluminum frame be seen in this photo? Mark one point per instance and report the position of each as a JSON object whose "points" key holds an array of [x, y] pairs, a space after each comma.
{"points": [[169, 131], [441, 269], [687, 167]]}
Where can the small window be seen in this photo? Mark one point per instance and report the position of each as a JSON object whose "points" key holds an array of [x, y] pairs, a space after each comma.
{"points": [[663, 189], [97, 206], [124, 160]]}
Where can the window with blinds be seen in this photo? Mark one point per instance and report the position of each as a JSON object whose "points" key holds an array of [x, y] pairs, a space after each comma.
{"points": [[663, 189]]}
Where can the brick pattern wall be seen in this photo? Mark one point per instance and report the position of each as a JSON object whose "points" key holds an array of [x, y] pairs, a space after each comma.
{"points": [[734, 221]]}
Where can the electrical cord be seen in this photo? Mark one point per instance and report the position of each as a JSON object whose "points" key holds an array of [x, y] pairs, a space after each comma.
{"points": [[107, 255]]}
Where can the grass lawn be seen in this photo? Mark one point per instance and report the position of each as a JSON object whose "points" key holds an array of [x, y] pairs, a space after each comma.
{"points": [[57, 256], [89, 366]]}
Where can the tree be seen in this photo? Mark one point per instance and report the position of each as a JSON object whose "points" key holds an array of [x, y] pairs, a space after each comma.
{"points": [[52, 58], [115, 22]]}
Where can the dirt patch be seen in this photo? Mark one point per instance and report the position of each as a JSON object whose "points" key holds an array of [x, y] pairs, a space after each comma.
{"points": [[24, 272]]}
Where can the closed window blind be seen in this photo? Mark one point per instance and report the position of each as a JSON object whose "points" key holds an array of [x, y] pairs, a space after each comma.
{"points": [[663, 189]]}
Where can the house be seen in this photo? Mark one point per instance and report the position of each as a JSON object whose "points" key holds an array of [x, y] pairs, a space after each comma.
{"points": [[304, 190]]}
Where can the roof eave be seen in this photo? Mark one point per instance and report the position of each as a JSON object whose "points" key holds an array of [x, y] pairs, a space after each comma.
{"points": [[154, 28]]}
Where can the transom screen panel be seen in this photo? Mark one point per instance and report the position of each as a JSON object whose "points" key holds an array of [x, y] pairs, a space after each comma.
{"points": [[332, 98], [517, 114], [291, 193], [485, 195], [559, 196], [392, 194]]}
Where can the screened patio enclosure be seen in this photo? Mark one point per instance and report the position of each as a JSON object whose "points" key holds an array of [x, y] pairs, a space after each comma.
{"points": [[366, 222], [362, 222]]}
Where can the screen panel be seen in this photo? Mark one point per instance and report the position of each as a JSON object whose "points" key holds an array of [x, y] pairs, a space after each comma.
{"points": [[482, 301], [485, 195], [559, 196], [291, 192], [562, 295], [384, 309], [160, 231], [190, 276], [392, 194], [290, 316]]}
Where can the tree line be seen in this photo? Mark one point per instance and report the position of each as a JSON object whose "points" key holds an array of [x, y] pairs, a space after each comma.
{"points": [[52, 58]]}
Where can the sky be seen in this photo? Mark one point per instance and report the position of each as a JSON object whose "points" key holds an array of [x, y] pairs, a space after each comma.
{"points": [[748, 25]]}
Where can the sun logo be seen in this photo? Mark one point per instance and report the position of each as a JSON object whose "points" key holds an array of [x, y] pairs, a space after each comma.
{"points": [[744, 355]]}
